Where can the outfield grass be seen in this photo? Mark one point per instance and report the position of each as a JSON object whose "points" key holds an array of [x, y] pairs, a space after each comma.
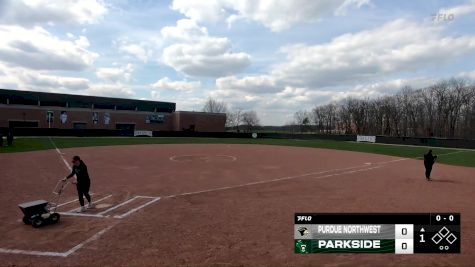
{"points": [[461, 158]]}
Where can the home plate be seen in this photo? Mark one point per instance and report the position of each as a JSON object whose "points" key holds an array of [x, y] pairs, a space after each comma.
{"points": [[103, 205]]}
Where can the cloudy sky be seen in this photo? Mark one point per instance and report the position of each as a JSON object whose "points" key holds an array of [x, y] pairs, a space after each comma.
{"points": [[272, 56]]}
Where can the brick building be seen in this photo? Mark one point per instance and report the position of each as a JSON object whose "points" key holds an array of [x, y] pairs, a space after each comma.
{"points": [[63, 111]]}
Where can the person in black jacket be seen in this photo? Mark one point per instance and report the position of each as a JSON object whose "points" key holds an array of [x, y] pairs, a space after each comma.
{"points": [[429, 160], [83, 182]]}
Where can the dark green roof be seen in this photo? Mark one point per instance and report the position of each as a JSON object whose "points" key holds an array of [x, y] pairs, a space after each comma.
{"points": [[80, 101]]}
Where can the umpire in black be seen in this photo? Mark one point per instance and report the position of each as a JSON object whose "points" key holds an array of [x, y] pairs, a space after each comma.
{"points": [[429, 160], [83, 182]]}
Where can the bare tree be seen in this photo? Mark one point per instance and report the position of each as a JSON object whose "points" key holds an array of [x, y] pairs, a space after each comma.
{"points": [[250, 120], [444, 109], [233, 119], [302, 120], [215, 106]]}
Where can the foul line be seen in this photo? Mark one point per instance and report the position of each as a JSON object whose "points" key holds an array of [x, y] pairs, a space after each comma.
{"points": [[444, 154], [58, 254], [283, 179], [87, 241], [378, 165], [203, 157], [60, 154], [32, 252]]}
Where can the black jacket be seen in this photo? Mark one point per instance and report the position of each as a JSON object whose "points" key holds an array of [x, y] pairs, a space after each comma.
{"points": [[429, 159], [81, 173]]}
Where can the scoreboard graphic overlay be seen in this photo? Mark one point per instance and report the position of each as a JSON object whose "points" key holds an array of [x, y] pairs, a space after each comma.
{"points": [[399, 233]]}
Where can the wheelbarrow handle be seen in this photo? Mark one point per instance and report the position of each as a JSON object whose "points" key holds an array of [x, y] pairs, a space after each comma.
{"points": [[60, 185]]}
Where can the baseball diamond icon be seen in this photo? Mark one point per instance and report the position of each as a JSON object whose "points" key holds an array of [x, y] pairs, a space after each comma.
{"points": [[444, 233]]}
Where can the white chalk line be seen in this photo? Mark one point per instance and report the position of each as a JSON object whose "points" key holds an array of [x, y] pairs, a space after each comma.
{"points": [[303, 175], [94, 202], [69, 213], [60, 154], [287, 178], [205, 158], [118, 205], [89, 240], [137, 208], [444, 154], [403, 145], [32, 252], [71, 201], [58, 254]]}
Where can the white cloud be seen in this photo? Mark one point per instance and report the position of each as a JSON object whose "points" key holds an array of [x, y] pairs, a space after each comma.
{"points": [[198, 54], [82, 42], [116, 74], [343, 9], [33, 12], [185, 30], [210, 57], [357, 58], [137, 50], [256, 84], [237, 99], [110, 90], [36, 48], [469, 75], [460, 10], [276, 15], [168, 84], [201, 10], [395, 47], [384, 87], [277, 107], [55, 82], [26, 79]]}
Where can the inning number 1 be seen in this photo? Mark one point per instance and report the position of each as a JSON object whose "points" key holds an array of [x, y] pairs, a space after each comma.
{"points": [[422, 238]]}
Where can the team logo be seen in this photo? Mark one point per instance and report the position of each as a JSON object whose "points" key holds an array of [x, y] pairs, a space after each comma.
{"points": [[301, 247], [303, 231]]}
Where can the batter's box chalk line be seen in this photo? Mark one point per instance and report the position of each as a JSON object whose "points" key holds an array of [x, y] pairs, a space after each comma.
{"points": [[104, 214], [92, 238]]}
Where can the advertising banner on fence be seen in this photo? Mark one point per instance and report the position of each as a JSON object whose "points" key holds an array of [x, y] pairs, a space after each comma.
{"points": [[366, 138], [143, 133]]}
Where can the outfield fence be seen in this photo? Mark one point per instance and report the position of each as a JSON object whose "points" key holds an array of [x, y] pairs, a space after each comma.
{"points": [[418, 141]]}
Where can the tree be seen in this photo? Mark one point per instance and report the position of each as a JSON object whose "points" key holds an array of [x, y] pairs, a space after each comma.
{"points": [[233, 119], [443, 109], [215, 106], [302, 120], [250, 120]]}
